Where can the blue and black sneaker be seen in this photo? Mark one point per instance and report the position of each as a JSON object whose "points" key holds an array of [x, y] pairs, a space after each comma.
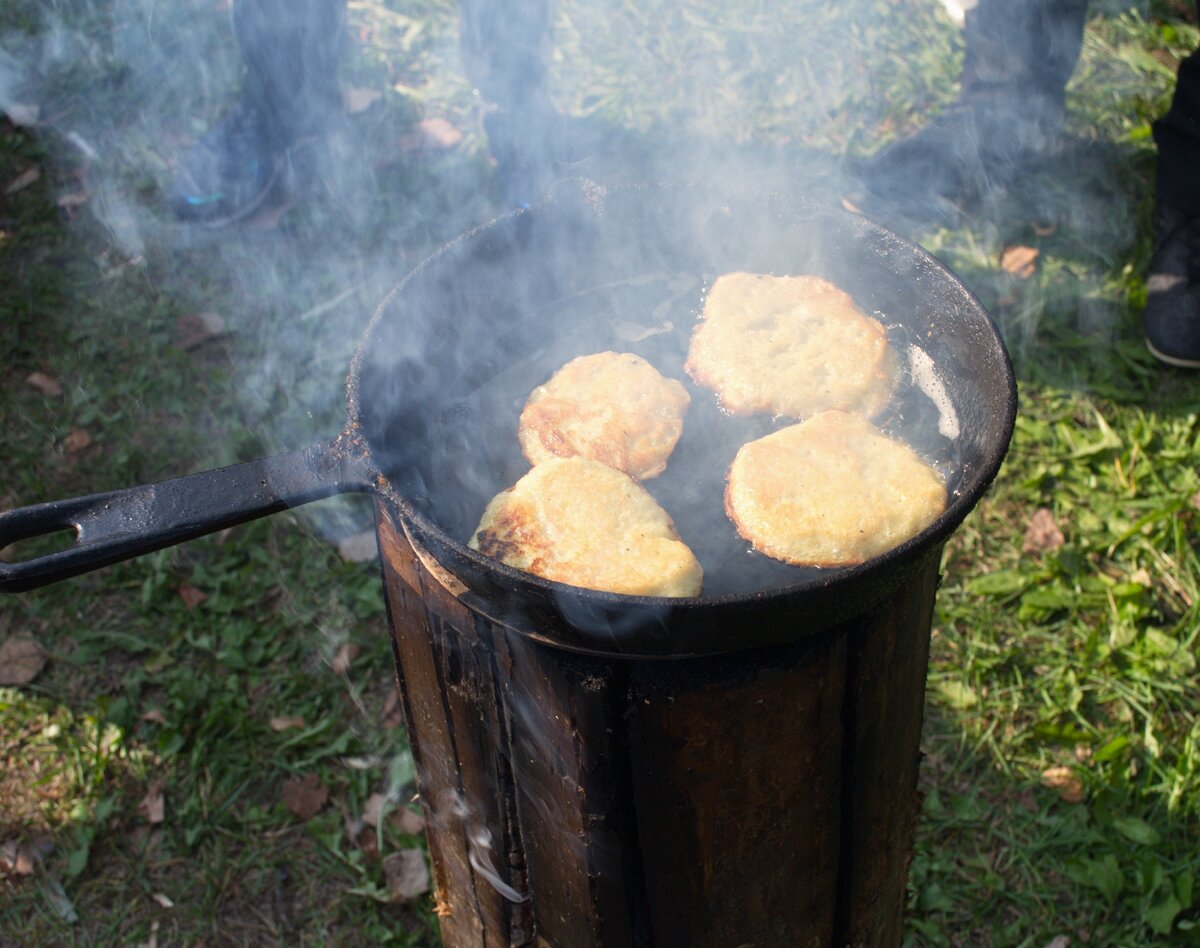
{"points": [[232, 171], [1172, 316]]}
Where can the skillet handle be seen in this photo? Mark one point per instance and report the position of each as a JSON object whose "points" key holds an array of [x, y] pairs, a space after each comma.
{"points": [[122, 524]]}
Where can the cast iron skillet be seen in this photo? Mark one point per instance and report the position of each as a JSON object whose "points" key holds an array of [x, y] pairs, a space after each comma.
{"points": [[436, 386]]}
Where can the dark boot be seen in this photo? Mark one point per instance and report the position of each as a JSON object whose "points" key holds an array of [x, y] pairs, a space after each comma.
{"points": [[289, 98], [1172, 315], [504, 48], [1008, 116]]}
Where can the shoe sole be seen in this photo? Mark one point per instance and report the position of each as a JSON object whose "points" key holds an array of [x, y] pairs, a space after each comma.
{"points": [[1176, 361], [246, 210], [278, 178]]}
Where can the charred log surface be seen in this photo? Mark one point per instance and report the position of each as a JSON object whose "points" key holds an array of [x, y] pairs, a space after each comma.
{"points": [[571, 769], [737, 781], [444, 663], [885, 697], [764, 797]]}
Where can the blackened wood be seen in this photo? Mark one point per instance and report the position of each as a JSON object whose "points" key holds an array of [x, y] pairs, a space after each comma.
{"points": [[573, 795], [448, 688], [886, 668], [736, 768], [763, 797]]}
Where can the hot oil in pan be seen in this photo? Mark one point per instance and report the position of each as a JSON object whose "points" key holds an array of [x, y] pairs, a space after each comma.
{"points": [[653, 316]]}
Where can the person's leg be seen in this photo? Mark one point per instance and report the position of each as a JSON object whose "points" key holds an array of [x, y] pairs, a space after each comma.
{"points": [[505, 48], [1016, 48], [1019, 55], [1172, 316], [289, 49]]}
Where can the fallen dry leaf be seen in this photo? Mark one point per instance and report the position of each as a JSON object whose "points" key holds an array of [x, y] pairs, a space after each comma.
{"points": [[191, 596], [304, 796], [21, 658], [360, 548], [192, 329], [286, 723], [1065, 781], [407, 821], [373, 808], [407, 875], [359, 100], [23, 180], [153, 806], [270, 218], [154, 716], [18, 858], [342, 659], [22, 115], [439, 133], [1042, 534], [1059, 941], [1021, 262], [391, 714], [72, 199], [152, 942], [163, 899], [435, 134], [1045, 229], [76, 440], [367, 840], [46, 384]]}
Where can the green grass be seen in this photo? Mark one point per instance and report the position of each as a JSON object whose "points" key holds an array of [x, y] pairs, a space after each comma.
{"points": [[1082, 657]]}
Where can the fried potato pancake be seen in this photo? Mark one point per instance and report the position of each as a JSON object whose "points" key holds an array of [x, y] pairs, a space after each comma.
{"points": [[581, 522], [612, 407], [791, 345], [830, 491]]}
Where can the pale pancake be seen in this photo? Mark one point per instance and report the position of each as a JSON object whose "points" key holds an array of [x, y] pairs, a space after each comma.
{"points": [[791, 345], [830, 491], [612, 407], [581, 522]]}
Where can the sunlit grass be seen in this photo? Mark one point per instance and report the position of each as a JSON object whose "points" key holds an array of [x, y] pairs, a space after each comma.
{"points": [[1058, 675]]}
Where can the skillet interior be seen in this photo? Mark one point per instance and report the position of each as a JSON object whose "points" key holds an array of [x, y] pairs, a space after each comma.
{"points": [[444, 369]]}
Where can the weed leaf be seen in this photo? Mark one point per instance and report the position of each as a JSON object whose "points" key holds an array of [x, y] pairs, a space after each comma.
{"points": [[1161, 915], [1138, 831], [1103, 874], [958, 695]]}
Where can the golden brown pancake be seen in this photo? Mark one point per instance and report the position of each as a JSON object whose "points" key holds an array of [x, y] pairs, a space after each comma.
{"points": [[791, 345], [612, 407], [581, 522], [830, 491]]}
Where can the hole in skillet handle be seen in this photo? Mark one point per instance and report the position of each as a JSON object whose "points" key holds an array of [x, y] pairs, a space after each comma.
{"points": [[124, 524], [43, 543]]}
